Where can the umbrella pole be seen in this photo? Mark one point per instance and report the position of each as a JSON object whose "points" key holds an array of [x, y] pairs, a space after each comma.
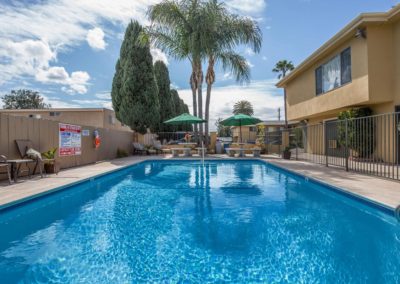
{"points": [[240, 131]]}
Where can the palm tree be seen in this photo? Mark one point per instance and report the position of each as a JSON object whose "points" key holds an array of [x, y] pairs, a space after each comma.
{"points": [[174, 29], [198, 31], [283, 67], [244, 107], [223, 31]]}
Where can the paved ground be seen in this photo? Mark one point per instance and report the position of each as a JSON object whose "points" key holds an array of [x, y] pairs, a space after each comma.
{"points": [[382, 191]]}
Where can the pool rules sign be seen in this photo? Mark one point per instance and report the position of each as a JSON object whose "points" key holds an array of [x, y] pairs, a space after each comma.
{"points": [[69, 140]]}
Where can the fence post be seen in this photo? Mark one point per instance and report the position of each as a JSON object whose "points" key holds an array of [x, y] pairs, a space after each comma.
{"points": [[346, 146], [326, 143], [297, 144]]}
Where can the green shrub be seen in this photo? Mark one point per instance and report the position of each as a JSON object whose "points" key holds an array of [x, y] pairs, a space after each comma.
{"points": [[360, 131], [121, 153]]}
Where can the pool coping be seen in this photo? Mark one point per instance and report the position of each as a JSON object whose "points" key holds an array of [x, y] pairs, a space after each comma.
{"points": [[21, 201], [341, 190]]}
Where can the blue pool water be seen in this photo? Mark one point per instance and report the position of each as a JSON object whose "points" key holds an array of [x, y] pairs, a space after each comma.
{"points": [[174, 221]]}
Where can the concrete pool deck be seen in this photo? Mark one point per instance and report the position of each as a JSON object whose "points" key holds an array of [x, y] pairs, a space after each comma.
{"points": [[381, 191]]}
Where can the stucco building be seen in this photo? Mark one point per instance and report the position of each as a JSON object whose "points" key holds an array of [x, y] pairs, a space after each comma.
{"points": [[359, 66], [95, 117]]}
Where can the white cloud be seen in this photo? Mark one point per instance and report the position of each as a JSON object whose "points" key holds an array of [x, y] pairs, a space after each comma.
{"points": [[251, 65], [248, 51], [94, 103], [106, 95], [32, 58], [32, 34], [76, 82], [65, 22], [264, 58], [264, 96], [174, 85], [57, 103], [23, 58], [247, 6], [95, 38], [224, 76], [159, 55]]}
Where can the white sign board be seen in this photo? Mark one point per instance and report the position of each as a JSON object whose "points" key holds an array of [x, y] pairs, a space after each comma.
{"points": [[69, 140]]}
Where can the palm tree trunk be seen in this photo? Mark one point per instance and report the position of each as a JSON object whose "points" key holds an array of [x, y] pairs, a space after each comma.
{"points": [[210, 79], [199, 74], [207, 113], [193, 86]]}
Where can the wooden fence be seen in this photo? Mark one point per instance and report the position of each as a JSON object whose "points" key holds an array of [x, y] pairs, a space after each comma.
{"points": [[45, 135]]}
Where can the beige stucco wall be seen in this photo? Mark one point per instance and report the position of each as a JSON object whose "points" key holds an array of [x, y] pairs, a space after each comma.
{"points": [[375, 77], [302, 101], [396, 60], [380, 63]]}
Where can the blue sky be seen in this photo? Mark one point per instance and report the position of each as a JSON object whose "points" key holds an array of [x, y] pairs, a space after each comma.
{"points": [[67, 49]]}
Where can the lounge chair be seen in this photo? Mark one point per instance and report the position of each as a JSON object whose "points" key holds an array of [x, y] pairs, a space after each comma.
{"points": [[139, 149], [200, 151], [23, 145], [158, 147], [231, 152], [4, 164]]}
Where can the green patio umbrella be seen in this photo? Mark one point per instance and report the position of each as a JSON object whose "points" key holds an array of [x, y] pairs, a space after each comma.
{"points": [[184, 118], [240, 120]]}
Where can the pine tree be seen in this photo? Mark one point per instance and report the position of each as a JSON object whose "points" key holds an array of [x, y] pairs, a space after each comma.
{"points": [[176, 102], [179, 108], [167, 107], [134, 89]]}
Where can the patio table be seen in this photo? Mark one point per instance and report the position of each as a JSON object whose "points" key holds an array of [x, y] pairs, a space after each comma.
{"points": [[15, 164]]}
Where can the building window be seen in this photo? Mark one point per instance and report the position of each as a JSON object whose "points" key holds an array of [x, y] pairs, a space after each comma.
{"points": [[252, 129], [335, 73], [54, 113]]}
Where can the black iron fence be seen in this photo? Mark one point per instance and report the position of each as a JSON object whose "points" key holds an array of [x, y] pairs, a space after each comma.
{"points": [[368, 145], [172, 138]]}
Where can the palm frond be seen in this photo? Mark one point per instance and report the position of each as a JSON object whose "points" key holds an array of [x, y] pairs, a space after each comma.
{"points": [[237, 64]]}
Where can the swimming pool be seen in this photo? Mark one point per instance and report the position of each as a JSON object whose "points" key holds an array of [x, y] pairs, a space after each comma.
{"points": [[179, 221]]}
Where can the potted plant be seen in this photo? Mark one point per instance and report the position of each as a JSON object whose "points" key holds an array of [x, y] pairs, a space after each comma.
{"points": [[50, 165], [286, 154]]}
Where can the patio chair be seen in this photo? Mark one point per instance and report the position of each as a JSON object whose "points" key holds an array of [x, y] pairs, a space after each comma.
{"points": [[139, 149], [23, 145], [4, 164], [158, 147]]}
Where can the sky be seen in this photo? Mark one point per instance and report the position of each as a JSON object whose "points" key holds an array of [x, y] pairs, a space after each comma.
{"points": [[67, 49]]}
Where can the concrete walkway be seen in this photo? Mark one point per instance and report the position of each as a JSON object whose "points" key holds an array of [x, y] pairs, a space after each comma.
{"points": [[385, 192]]}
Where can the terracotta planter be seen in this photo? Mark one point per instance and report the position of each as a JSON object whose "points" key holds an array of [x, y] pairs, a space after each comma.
{"points": [[286, 155], [51, 168]]}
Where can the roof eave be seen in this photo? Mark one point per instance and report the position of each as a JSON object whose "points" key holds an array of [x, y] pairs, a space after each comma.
{"points": [[362, 19]]}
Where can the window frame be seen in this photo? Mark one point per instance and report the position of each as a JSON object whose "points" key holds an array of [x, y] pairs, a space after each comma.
{"points": [[320, 69]]}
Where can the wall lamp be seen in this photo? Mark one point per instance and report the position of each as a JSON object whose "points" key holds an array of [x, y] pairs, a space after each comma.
{"points": [[361, 33]]}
